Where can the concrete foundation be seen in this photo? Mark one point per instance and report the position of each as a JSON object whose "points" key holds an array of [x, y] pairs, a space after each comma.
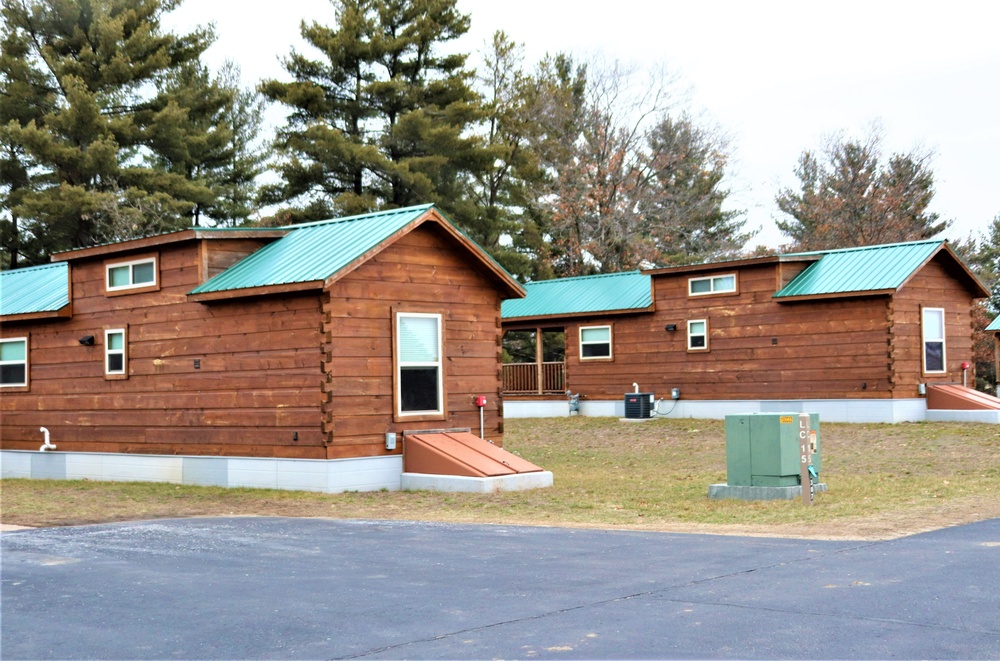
{"points": [[324, 475], [829, 410], [460, 484], [722, 491]]}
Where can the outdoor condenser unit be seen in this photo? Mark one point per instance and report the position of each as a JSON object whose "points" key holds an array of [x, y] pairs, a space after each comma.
{"points": [[638, 405]]}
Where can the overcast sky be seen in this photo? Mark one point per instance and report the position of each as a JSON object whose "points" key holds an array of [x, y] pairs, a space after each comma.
{"points": [[777, 77]]}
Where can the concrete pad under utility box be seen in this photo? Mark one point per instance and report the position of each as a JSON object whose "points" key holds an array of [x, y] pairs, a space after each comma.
{"points": [[740, 492]]}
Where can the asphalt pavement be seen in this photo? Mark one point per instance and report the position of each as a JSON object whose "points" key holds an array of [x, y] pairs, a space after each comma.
{"points": [[278, 588]]}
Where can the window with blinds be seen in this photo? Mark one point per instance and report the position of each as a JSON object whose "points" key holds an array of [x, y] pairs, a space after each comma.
{"points": [[418, 364]]}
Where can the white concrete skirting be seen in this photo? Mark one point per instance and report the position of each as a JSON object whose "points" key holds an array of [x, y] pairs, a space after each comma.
{"points": [[324, 475], [954, 415], [829, 410], [458, 483]]}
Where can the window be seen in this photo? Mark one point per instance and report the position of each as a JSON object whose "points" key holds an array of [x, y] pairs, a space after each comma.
{"points": [[114, 352], [14, 362], [717, 284], [131, 275], [698, 335], [595, 342], [932, 322], [419, 388]]}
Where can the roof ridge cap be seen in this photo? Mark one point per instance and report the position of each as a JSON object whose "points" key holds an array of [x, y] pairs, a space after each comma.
{"points": [[359, 216], [591, 276], [898, 244], [37, 267]]}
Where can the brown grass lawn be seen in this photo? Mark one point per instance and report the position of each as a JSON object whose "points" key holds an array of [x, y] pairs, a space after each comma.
{"points": [[884, 481]]}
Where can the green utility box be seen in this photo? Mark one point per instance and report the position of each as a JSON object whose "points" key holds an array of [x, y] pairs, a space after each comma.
{"points": [[762, 449]]}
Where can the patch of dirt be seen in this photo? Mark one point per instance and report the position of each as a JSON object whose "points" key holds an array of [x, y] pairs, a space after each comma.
{"points": [[880, 527]]}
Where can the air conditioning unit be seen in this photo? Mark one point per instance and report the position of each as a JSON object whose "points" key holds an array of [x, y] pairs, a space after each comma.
{"points": [[638, 405]]}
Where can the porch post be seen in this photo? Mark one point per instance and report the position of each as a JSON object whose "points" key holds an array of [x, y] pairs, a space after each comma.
{"points": [[538, 360]]}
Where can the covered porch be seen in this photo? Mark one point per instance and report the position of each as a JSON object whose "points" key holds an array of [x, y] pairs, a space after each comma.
{"points": [[534, 361]]}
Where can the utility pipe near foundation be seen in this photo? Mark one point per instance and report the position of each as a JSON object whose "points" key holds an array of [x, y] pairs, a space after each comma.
{"points": [[46, 445]]}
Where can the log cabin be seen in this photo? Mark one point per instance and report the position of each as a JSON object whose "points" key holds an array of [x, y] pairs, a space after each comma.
{"points": [[857, 335], [302, 356]]}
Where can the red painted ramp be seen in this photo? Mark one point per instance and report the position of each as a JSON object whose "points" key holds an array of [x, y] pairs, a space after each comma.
{"points": [[460, 453], [954, 397]]}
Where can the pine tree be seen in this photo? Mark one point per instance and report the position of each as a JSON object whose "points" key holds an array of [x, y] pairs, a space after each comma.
{"points": [[380, 120], [135, 131], [495, 205], [852, 199], [683, 206], [24, 98]]}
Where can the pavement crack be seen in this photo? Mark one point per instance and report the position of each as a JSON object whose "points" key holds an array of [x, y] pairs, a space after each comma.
{"points": [[859, 618], [647, 593]]}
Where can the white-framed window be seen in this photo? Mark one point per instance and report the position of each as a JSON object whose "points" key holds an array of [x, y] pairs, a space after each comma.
{"points": [[419, 377], [698, 335], [131, 275], [932, 325], [115, 354], [13, 362], [715, 284], [595, 342]]}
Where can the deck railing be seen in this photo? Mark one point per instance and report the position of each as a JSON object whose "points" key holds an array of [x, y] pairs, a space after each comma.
{"points": [[534, 378]]}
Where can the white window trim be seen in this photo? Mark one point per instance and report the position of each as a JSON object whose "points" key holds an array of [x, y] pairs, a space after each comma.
{"points": [[609, 342], [439, 364], [690, 335], [24, 362], [131, 264], [924, 340], [711, 280], [108, 352]]}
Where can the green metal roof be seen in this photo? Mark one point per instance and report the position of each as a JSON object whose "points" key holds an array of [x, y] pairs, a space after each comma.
{"points": [[611, 292], [313, 251], [994, 325], [859, 270], [34, 289]]}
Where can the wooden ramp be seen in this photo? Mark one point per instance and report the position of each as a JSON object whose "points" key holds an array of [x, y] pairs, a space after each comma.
{"points": [[460, 453], [960, 398]]}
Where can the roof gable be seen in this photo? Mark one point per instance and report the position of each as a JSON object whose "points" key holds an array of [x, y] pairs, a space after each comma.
{"points": [[867, 270], [35, 291], [613, 292], [994, 325], [314, 255]]}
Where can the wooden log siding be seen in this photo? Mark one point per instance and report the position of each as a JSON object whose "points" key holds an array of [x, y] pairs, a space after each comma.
{"points": [[217, 256], [257, 385], [831, 348], [418, 273], [938, 287]]}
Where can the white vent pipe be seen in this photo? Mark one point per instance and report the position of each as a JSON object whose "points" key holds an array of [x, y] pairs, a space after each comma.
{"points": [[47, 445], [636, 386]]}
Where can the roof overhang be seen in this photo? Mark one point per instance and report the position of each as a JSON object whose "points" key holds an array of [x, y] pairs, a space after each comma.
{"points": [[944, 251], [840, 294], [507, 285], [977, 286], [65, 312], [531, 321], [269, 290]]}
